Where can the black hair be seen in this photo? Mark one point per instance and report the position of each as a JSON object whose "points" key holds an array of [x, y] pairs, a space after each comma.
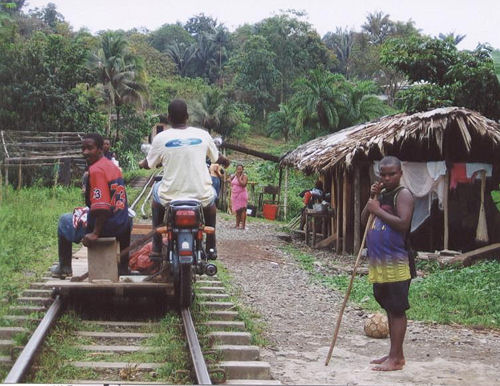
{"points": [[163, 118], [177, 111], [97, 138], [318, 184], [390, 161]]}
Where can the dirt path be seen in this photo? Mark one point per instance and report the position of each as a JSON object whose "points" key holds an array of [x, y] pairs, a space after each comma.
{"points": [[300, 318]]}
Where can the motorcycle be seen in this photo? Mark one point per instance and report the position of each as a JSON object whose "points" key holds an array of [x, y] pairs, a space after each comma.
{"points": [[184, 254]]}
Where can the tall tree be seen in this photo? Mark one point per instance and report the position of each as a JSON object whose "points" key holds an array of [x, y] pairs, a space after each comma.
{"points": [[341, 43], [281, 123], [169, 34], [201, 24], [378, 26], [296, 47], [119, 75], [463, 78], [183, 56], [256, 77]]}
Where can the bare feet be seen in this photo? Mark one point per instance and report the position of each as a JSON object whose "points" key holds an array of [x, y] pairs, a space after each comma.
{"points": [[380, 360], [390, 365]]}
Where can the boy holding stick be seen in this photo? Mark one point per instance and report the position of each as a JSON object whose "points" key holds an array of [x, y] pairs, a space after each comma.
{"points": [[389, 263]]}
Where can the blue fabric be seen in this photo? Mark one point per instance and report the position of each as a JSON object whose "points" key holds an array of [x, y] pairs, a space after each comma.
{"points": [[65, 229], [216, 185]]}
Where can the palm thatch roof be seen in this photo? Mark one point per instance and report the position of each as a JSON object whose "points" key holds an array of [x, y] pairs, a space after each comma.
{"points": [[452, 133]]}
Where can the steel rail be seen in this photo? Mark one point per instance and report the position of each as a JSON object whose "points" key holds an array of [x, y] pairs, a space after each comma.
{"points": [[200, 367], [144, 203], [142, 191], [23, 362]]}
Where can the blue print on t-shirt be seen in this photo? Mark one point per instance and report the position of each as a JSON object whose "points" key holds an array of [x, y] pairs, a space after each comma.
{"points": [[183, 142]]}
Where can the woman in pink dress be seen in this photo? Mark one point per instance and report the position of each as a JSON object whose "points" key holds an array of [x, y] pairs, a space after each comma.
{"points": [[239, 196]]}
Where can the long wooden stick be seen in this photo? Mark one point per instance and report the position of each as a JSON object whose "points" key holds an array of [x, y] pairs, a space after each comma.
{"points": [[349, 288]]}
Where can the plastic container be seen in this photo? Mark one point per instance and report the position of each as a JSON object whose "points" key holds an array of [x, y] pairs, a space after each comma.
{"points": [[269, 211]]}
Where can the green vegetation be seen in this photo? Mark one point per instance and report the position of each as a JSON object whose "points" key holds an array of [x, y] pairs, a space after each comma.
{"points": [[467, 296], [28, 228], [495, 54], [276, 77]]}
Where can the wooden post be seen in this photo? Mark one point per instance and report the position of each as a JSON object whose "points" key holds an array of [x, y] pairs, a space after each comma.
{"points": [[357, 209], [306, 227], [445, 210], [19, 175], [344, 212], [285, 198], [7, 174], [1, 186], [337, 220], [332, 204]]}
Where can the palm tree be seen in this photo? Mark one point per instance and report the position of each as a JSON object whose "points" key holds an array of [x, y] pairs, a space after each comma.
{"points": [[205, 55], [182, 55], [363, 105], [317, 103], [119, 75], [378, 26], [455, 39], [341, 43], [216, 112], [281, 123], [221, 40]]}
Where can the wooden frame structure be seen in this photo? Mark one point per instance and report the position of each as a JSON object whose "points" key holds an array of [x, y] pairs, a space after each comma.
{"points": [[28, 149], [343, 159]]}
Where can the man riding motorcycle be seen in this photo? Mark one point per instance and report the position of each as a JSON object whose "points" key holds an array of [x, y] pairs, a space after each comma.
{"points": [[182, 151]]}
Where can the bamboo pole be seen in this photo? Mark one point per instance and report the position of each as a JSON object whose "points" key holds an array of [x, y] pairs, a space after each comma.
{"points": [[344, 212], [357, 209], [285, 198], [7, 173], [19, 176], [445, 210], [332, 204], [348, 292], [337, 219]]}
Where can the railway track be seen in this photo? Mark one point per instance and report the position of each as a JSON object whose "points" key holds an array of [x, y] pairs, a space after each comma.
{"points": [[117, 346], [123, 348]]}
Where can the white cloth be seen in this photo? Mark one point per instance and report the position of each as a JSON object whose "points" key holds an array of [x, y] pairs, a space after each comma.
{"points": [[183, 152], [474, 167], [425, 180]]}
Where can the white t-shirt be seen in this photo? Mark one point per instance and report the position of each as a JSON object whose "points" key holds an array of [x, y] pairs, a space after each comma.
{"points": [[183, 152]]}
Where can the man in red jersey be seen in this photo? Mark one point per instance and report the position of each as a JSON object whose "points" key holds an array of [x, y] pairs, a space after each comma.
{"points": [[106, 214]]}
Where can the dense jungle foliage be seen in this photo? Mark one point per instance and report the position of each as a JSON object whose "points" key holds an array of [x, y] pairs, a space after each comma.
{"points": [[278, 77]]}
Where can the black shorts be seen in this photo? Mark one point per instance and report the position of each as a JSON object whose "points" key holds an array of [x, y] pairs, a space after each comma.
{"points": [[392, 297]]}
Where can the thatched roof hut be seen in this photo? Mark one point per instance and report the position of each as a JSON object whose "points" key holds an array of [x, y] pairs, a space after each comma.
{"points": [[344, 161], [449, 133]]}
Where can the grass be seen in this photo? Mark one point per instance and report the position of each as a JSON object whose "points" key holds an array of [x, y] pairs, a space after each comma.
{"points": [[466, 296], [28, 235]]}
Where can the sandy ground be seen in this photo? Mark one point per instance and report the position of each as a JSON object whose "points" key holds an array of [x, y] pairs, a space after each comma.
{"points": [[300, 318]]}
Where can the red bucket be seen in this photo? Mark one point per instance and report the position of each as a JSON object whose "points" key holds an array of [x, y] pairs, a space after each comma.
{"points": [[269, 211]]}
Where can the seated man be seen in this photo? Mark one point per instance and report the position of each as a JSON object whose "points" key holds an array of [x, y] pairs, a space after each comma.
{"points": [[182, 150], [106, 214]]}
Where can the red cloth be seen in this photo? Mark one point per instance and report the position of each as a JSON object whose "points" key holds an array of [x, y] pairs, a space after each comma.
{"points": [[307, 197], [139, 261], [458, 174]]}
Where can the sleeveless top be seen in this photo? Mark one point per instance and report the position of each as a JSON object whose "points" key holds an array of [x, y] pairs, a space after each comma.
{"points": [[388, 257]]}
